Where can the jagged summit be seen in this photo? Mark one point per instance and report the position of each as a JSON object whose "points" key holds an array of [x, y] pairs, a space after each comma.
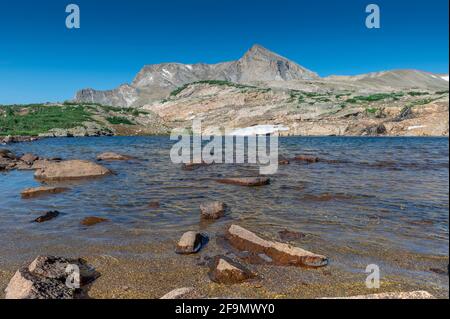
{"points": [[158, 80]]}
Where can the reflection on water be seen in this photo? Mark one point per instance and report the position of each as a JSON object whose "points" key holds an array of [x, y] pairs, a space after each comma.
{"points": [[388, 193]]}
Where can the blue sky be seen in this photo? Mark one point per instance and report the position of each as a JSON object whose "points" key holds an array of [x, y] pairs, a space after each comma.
{"points": [[41, 60]]}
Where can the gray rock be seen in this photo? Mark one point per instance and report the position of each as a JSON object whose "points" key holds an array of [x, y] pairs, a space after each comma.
{"points": [[190, 243], [227, 271], [45, 278], [212, 210]]}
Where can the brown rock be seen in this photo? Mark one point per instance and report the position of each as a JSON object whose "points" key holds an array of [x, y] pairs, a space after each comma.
{"points": [[307, 158], [29, 158], [74, 169], [110, 156], [246, 181], [46, 276], [212, 210], [47, 216], [226, 271], [91, 221], [43, 190], [154, 204], [280, 253], [193, 166], [283, 161], [190, 243]]}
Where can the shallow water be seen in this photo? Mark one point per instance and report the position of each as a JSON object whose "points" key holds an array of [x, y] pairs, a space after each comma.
{"points": [[374, 200]]}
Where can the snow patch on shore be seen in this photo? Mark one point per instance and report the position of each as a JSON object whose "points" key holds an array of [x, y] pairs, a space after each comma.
{"points": [[259, 130]]}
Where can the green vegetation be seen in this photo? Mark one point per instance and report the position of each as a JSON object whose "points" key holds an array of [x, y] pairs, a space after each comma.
{"points": [[442, 92], [413, 93], [372, 110], [119, 120], [34, 119], [378, 97]]}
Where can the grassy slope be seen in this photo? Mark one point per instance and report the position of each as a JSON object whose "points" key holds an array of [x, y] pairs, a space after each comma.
{"points": [[37, 118]]}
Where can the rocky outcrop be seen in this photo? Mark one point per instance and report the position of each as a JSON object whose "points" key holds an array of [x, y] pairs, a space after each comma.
{"points": [[73, 169], [48, 277], [88, 129], [223, 270], [279, 253], [212, 210], [307, 158], [246, 181], [190, 243], [42, 190]]}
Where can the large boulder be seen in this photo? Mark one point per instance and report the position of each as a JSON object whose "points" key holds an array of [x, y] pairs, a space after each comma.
{"points": [[29, 158], [73, 169], [226, 271], [278, 253], [245, 181], [49, 277], [42, 190]]}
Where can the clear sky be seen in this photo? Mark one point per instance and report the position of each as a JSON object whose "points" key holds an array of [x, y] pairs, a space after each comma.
{"points": [[41, 60]]}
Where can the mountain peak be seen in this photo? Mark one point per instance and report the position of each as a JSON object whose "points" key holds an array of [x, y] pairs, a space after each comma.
{"points": [[259, 50]]}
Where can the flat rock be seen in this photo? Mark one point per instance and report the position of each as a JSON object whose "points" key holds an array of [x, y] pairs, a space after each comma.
{"points": [[5, 153], [392, 295], [182, 293], [193, 166], [45, 278], [280, 253], [246, 181], [307, 158], [111, 156], [212, 210], [43, 190], [223, 270], [91, 221], [73, 169], [47, 216], [154, 204], [190, 243]]}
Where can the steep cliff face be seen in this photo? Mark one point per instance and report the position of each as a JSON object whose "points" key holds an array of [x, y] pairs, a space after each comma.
{"points": [[155, 82]]}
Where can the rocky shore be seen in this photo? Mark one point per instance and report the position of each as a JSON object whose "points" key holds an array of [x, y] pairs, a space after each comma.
{"points": [[243, 259]]}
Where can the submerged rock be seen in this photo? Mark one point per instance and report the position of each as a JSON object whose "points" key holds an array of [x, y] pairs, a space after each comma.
{"points": [[246, 181], [43, 190], [73, 169], [91, 221], [182, 293], [5, 153], [307, 158], [47, 277], [212, 210], [226, 271], [47, 216], [110, 156], [280, 253], [288, 235], [193, 166], [190, 243], [154, 204]]}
